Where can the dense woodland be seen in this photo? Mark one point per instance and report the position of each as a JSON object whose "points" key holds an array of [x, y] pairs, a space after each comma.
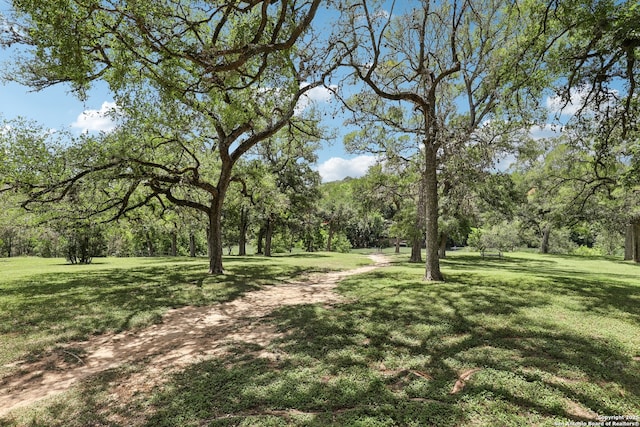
{"points": [[213, 154]]}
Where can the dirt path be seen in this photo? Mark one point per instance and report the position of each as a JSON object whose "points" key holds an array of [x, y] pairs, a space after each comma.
{"points": [[185, 336]]}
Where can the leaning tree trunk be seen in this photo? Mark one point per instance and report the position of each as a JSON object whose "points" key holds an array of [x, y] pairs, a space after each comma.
{"points": [[432, 265], [544, 244], [632, 241], [218, 194], [214, 237]]}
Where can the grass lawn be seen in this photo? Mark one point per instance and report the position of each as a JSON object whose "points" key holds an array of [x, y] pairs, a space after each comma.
{"points": [[48, 301], [524, 340]]}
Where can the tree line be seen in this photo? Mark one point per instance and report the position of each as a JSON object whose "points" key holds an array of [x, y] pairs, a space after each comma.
{"points": [[210, 123]]}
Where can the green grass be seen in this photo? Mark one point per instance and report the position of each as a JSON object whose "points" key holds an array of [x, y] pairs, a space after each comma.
{"points": [[544, 340], [44, 302]]}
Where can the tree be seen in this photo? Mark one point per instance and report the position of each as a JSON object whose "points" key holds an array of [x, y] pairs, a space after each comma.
{"points": [[289, 186], [336, 207], [595, 49], [596, 45], [398, 183], [425, 59], [198, 85], [84, 242]]}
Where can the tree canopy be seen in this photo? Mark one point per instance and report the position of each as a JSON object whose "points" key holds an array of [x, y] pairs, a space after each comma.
{"points": [[197, 85], [210, 106]]}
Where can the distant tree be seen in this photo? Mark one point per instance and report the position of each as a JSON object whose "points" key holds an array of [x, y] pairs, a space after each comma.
{"points": [[396, 180], [336, 208], [83, 243], [291, 185]]}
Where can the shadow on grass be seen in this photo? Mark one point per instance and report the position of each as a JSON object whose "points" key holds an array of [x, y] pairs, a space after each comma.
{"points": [[471, 262], [358, 365], [89, 404], [397, 352], [303, 255], [449, 328], [395, 355], [600, 293], [74, 304], [251, 391]]}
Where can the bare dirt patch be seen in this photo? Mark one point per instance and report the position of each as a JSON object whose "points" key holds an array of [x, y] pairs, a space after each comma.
{"points": [[185, 336]]}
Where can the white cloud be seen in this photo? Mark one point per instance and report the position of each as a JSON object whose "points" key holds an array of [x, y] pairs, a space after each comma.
{"points": [[381, 14], [545, 131], [97, 120], [504, 162], [313, 95], [320, 93], [337, 168], [556, 104]]}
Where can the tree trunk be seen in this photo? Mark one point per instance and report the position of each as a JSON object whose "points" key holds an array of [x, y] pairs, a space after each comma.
{"points": [[544, 244], [151, 250], [418, 237], [192, 244], [174, 242], [397, 245], [309, 242], [268, 235], [214, 239], [632, 241], [244, 226], [442, 249], [628, 243], [259, 250], [432, 265], [416, 250], [330, 236]]}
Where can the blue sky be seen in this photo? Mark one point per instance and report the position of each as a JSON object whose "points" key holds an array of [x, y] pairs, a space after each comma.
{"points": [[57, 108]]}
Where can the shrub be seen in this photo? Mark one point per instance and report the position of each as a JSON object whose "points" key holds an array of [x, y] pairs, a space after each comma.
{"points": [[583, 250], [503, 236], [610, 242], [340, 243], [560, 241], [83, 243], [475, 239]]}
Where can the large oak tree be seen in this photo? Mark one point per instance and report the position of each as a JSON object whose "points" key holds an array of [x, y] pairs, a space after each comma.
{"points": [[198, 84]]}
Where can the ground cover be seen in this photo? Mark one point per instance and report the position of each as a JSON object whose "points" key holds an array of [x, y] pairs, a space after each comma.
{"points": [[524, 340], [47, 301]]}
